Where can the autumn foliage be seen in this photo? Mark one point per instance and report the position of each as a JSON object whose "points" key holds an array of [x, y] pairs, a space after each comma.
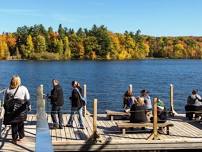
{"points": [[38, 43]]}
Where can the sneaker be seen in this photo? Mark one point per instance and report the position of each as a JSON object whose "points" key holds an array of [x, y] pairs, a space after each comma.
{"points": [[81, 127], [54, 127], [60, 127], [14, 141]]}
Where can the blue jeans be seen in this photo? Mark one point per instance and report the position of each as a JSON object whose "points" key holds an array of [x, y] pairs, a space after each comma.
{"points": [[55, 111], [73, 111]]}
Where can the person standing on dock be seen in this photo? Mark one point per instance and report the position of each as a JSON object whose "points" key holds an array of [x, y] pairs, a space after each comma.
{"points": [[57, 101], [16, 107], [76, 105]]}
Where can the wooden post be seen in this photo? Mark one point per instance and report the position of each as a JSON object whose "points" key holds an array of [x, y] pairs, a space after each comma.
{"points": [[95, 119], [84, 95], [154, 135], [172, 111], [155, 121], [130, 87]]}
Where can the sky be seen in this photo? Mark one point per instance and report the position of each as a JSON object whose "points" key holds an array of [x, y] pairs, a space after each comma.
{"points": [[152, 17]]}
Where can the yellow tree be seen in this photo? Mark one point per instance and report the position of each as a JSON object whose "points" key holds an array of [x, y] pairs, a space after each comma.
{"points": [[29, 46], [4, 52], [67, 51]]}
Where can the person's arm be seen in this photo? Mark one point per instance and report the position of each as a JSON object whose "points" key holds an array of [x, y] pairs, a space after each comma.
{"points": [[199, 98]]}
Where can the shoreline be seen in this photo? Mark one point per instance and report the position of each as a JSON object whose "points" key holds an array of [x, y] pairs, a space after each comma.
{"points": [[149, 58]]}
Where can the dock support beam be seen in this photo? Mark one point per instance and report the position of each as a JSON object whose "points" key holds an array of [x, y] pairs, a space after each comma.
{"points": [[95, 134], [43, 138], [130, 88], [154, 135], [172, 111]]}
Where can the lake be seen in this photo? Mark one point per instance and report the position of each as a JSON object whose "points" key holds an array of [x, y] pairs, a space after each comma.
{"points": [[108, 80]]}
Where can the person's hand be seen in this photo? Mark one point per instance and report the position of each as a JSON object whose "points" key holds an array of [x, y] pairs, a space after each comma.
{"points": [[29, 108], [48, 96]]}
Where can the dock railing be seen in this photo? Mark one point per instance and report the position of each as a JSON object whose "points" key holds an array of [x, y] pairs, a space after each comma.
{"points": [[43, 138], [1, 109]]}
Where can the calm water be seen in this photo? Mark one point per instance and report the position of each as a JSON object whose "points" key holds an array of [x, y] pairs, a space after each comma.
{"points": [[108, 80]]}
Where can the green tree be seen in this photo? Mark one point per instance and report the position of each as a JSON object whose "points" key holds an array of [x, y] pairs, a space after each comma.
{"points": [[61, 31]]}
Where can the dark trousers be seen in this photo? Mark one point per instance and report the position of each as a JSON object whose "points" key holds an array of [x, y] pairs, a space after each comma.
{"points": [[18, 130], [55, 111]]}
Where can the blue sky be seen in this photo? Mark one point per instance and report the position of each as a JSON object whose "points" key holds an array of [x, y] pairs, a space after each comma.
{"points": [[152, 17]]}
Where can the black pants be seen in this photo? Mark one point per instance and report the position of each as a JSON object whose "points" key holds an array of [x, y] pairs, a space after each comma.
{"points": [[55, 111], [18, 130]]}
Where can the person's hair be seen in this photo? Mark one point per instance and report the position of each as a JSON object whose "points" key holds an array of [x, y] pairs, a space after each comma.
{"points": [[56, 81], [194, 91], [15, 82], [74, 83], [140, 101]]}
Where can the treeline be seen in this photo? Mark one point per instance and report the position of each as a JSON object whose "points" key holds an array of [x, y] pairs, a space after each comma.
{"points": [[38, 43]]}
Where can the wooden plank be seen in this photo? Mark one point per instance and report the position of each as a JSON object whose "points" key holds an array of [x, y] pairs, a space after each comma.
{"points": [[87, 128], [53, 131], [66, 129], [72, 135], [75, 128]]}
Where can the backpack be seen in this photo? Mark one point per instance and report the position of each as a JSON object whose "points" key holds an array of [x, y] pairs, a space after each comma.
{"points": [[9, 104], [82, 99], [15, 109]]}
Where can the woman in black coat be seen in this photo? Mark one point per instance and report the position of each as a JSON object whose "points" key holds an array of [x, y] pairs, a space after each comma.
{"points": [[138, 111]]}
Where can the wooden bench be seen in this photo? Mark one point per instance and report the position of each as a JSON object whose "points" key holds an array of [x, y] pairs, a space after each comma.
{"points": [[125, 125], [111, 114], [193, 114]]}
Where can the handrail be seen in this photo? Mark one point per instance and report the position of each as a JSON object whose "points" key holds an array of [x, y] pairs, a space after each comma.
{"points": [[2, 91], [2, 101], [43, 138]]}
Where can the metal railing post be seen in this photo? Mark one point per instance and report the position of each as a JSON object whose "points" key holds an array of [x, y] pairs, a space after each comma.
{"points": [[84, 95]]}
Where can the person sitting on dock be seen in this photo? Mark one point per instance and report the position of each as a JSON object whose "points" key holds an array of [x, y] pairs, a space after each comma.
{"points": [[161, 112], [16, 106], [194, 103], [57, 101], [194, 99], [138, 111], [128, 100], [148, 104], [76, 105]]}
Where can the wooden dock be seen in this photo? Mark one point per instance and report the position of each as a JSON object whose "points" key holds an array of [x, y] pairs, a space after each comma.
{"points": [[184, 135]]}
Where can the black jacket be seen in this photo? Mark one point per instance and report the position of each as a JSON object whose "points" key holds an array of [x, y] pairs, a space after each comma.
{"points": [[57, 97], [17, 112], [138, 113], [75, 99]]}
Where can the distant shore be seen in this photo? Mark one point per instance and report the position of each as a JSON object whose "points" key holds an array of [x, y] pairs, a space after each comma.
{"points": [[98, 43]]}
